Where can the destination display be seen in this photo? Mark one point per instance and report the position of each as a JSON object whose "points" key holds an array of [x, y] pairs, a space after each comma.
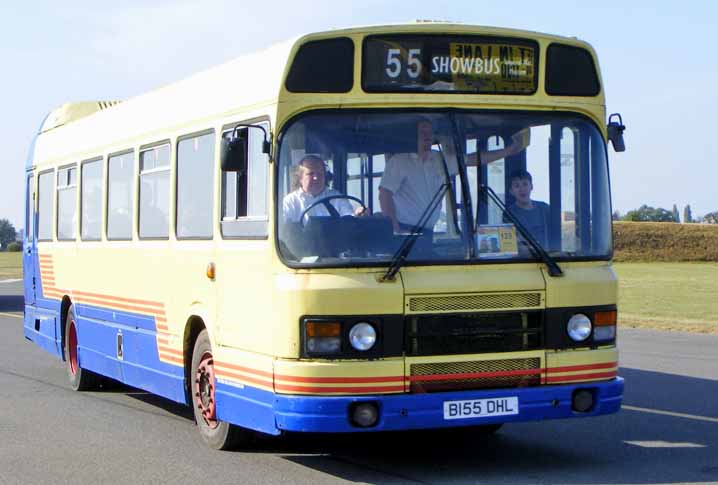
{"points": [[453, 64]]}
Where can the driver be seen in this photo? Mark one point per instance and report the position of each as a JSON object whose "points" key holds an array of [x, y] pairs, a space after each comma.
{"points": [[309, 186]]}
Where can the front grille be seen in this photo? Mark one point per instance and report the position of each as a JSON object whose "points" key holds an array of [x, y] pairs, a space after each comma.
{"points": [[473, 333], [452, 376], [474, 302]]}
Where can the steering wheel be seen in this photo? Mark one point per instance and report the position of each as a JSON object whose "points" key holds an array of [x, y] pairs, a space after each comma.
{"points": [[325, 201]]}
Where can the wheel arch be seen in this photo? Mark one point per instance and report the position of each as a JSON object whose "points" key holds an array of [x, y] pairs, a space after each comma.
{"points": [[194, 326], [64, 309]]}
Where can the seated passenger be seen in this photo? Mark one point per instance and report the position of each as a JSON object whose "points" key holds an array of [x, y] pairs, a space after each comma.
{"points": [[532, 214], [309, 186]]}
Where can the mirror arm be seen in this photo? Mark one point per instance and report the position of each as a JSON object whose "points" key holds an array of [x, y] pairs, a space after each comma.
{"points": [[266, 144]]}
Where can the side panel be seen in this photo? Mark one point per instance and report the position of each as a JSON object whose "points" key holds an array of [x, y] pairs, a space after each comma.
{"points": [[29, 242]]}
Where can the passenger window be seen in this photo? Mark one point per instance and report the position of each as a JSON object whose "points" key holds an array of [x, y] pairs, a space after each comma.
{"points": [[195, 186], [45, 206], [66, 203], [91, 201], [154, 192], [244, 195], [120, 196]]}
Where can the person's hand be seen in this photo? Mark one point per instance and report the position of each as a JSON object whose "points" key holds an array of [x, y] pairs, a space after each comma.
{"points": [[520, 140], [362, 211]]}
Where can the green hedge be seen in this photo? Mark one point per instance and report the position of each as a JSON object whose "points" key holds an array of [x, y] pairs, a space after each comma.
{"points": [[664, 241]]}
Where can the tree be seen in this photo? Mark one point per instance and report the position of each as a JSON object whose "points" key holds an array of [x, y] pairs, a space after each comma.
{"points": [[687, 216], [676, 217], [7, 232], [711, 218], [649, 214]]}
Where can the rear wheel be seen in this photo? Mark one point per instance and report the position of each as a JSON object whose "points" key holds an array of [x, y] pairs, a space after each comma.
{"points": [[80, 379], [217, 434]]}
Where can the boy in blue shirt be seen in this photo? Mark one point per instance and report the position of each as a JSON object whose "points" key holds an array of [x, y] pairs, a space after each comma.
{"points": [[532, 214]]}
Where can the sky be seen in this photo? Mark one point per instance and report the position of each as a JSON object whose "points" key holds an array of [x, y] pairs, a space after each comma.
{"points": [[658, 66]]}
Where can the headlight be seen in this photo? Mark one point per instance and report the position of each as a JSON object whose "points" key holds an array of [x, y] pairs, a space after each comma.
{"points": [[579, 327], [362, 336]]}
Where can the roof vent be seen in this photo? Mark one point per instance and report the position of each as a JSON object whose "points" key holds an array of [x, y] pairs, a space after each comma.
{"points": [[69, 112]]}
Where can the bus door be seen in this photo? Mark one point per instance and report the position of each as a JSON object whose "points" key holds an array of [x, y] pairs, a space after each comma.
{"points": [[29, 242]]}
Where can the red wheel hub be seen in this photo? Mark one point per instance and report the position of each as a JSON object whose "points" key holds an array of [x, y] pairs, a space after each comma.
{"points": [[204, 387], [72, 348]]}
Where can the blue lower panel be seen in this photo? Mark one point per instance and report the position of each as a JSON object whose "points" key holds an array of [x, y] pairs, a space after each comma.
{"points": [[248, 407], [415, 411], [41, 327]]}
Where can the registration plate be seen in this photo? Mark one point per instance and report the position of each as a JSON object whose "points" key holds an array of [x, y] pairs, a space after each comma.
{"points": [[476, 408]]}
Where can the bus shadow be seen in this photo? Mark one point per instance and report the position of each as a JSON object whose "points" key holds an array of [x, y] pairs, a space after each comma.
{"points": [[637, 445], [12, 303]]}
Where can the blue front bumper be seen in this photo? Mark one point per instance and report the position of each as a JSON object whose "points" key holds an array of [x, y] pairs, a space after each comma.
{"points": [[416, 411]]}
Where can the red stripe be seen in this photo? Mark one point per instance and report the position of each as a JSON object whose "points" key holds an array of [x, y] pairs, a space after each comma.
{"points": [[474, 375], [170, 350], [326, 390], [242, 378], [120, 299], [577, 377], [171, 359], [571, 368], [112, 304], [243, 369], [339, 380]]}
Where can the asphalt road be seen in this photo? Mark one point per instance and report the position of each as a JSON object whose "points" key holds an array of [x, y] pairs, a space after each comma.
{"points": [[667, 431]]}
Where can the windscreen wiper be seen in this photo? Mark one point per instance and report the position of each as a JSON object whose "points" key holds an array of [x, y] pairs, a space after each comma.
{"points": [[399, 258], [553, 268]]}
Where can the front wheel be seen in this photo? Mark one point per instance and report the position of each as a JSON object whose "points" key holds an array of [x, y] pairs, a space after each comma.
{"points": [[217, 434], [80, 379]]}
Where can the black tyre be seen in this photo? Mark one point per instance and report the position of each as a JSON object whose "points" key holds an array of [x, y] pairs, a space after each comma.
{"points": [[80, 379], [217, 434]]}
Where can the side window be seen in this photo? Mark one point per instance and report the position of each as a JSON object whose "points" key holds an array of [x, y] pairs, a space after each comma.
{"points": [[45, 206], [244, 195], [154, 192], [195, 186], [30, 208], [120, 196], [91, 201], [66, 203]]}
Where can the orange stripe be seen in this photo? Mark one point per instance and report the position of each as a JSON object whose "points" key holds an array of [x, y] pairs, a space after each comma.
{"points": [[244, 379], [571, 368], [170, 350], [171, 359], [339, 380], [243, 369], [593, 376], [327, 390], [160, 319], [45, 257], [120, 299], [159, 326], [111, 304], [475, 375], [163, 341]]}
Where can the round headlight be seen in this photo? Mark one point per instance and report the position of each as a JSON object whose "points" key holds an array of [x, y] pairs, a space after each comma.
{"points": [[362, 336], [579, 327]]}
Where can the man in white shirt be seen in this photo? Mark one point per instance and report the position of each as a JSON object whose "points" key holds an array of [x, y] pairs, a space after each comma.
{"points": [[410, 180], [310, 186]]}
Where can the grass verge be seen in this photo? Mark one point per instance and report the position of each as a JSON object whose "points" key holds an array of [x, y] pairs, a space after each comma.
{"points": [[668, 296], [10, 265]]}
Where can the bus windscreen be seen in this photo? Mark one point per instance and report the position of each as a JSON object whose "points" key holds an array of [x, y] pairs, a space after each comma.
{"points": [[449, 64]]}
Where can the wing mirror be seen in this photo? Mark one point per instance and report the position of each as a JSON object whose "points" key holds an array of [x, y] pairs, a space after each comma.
{"points": [[615, 132], [234, 152]]}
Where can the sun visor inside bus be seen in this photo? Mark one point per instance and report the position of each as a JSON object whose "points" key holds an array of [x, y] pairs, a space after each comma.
{"points": [[345, 134], [570, 71], [323, 66]]}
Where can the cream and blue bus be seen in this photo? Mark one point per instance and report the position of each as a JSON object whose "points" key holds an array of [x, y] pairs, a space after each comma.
{"points": [[361, 230]]}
